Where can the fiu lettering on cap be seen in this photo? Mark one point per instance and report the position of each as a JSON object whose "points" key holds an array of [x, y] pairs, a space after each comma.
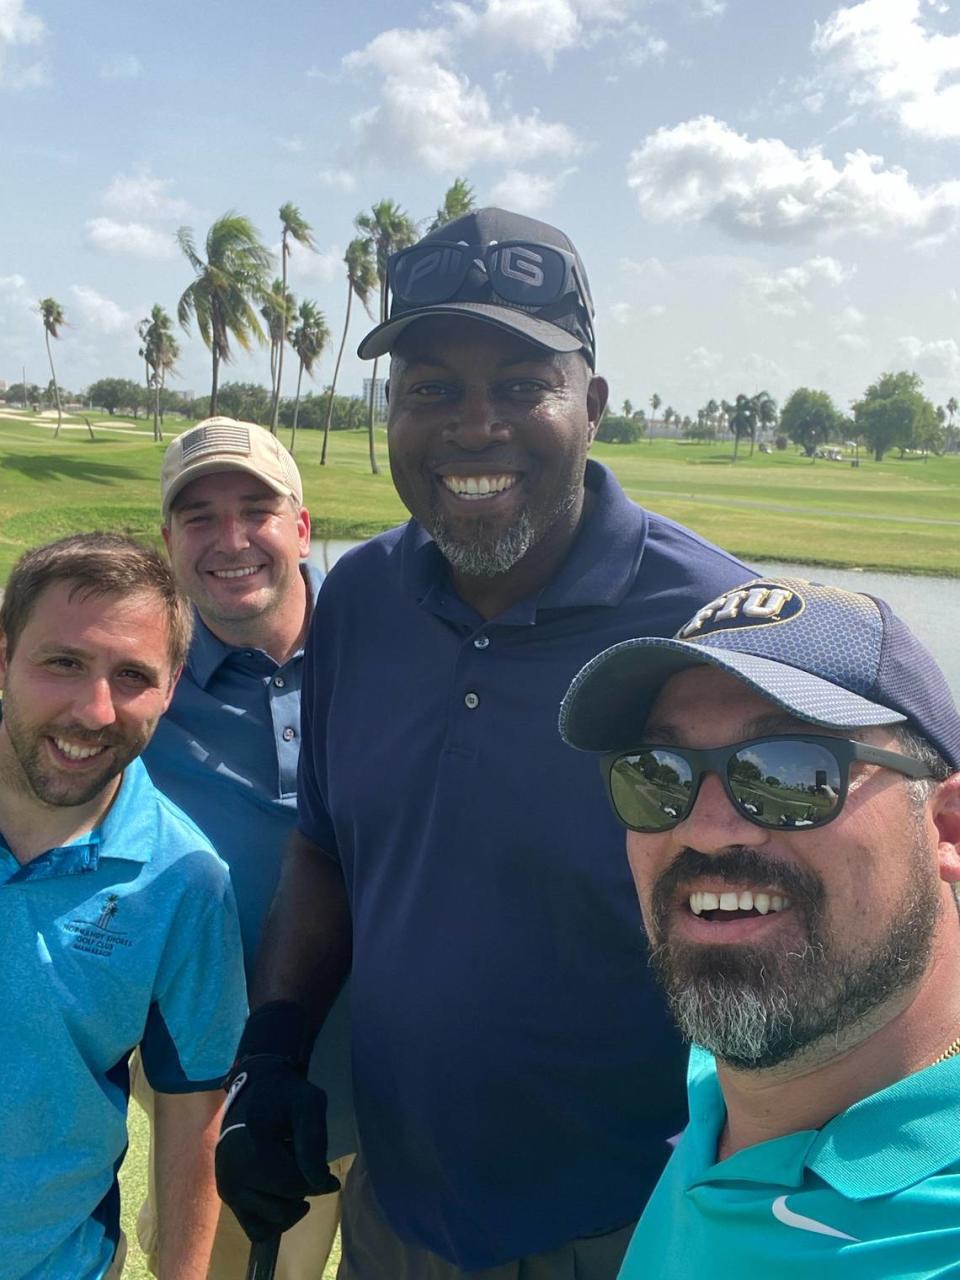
{"points": [[756, 604]]}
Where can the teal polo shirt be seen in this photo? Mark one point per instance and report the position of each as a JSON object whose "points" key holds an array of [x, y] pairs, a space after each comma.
{"points": [[127, 935], [873, 1195]]}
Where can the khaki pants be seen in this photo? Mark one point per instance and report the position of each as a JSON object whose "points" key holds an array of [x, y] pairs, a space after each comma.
{"points": [[305, 1247], [372, 1251]]}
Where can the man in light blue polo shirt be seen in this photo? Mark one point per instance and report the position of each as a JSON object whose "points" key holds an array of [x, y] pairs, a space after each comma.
{"points": [[118, 921], [787, 771], [228, 747]]}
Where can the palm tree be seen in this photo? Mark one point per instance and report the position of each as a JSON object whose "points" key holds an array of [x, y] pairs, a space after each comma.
{"points": [[655, 403], [628, 408], [52, 315], [160, 352], [278, 310], [308, 340], [295, 227], [952, 407], [387, 228], [763, 409], [361, 282], [459, 199], [741, 421], [227, 286]]}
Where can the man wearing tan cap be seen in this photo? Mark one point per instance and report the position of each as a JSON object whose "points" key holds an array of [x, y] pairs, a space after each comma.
{"points": [[227, 750]]}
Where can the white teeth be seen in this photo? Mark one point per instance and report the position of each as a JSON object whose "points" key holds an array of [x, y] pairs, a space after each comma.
{"points": [[74, 752], [478, 486], [237, 573], [745, 900]]}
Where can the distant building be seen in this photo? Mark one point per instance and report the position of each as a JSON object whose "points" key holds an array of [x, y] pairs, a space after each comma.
{"points": [[379, 397]]}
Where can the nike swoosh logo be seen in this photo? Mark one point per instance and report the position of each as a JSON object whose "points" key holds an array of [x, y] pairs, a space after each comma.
{"points": [[791, 1219]]}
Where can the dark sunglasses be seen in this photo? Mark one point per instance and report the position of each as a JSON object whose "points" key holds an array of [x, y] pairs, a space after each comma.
{"points": [[787, 781], [521, 272]]}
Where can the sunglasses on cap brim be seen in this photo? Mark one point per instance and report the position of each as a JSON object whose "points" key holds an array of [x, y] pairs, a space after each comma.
{"points": [[789, 781], [520, 272]]}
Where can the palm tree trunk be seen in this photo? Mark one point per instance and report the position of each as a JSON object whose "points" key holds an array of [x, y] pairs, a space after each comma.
{"points": [[296, 410], [157, 433], [370, 436], [283, 335], [214, 388], [336, 370], [56, 389]]}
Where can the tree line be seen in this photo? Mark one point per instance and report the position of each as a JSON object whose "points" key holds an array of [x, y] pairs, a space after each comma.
{"points": [[233, 301], [893, 413]]}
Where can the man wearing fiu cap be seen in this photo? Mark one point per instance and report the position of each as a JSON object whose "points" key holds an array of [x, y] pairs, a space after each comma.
{"points": [[786, 769], [513, 1112], [226, 751], [119, 927]]}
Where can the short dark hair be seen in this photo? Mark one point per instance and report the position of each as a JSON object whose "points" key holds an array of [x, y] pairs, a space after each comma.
{"points": [[96, 564]]}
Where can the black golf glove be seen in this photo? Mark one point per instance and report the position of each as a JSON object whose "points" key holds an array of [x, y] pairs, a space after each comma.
{"points": [[272, 1150]]}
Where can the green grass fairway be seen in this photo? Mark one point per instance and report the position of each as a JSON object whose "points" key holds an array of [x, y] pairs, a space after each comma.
{"points": [[901, 515]]}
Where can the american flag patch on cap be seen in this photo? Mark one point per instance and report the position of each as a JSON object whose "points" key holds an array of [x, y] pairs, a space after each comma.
{"points": [[217, 438]]}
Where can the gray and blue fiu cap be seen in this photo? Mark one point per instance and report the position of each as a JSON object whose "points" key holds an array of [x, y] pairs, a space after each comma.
{"points": [[834, 658]]}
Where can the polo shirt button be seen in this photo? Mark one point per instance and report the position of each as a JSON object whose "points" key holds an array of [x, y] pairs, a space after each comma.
{"points": [[471, 702], [481, 642], [279, 681], [289, 734]]}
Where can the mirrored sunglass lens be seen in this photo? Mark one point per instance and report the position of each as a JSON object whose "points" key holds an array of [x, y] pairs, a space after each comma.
{"points": [[651, 789], [527, 273], [431, 273], [785, 784]]}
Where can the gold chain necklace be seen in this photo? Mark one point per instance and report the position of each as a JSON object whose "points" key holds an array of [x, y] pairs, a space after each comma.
{"points": [[948, 1052]]}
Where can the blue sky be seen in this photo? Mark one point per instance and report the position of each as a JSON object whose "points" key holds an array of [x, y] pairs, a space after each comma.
{"points": [[764, 194]]}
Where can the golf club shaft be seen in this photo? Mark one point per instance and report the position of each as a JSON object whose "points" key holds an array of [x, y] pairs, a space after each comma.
{"points": [[263, 1259]]}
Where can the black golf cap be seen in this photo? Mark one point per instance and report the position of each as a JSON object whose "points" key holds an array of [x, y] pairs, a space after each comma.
{"points": [[562, 325]]}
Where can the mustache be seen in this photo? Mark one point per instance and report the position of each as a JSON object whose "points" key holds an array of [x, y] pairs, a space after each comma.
{"points": [[83, 737], [732, 865]]}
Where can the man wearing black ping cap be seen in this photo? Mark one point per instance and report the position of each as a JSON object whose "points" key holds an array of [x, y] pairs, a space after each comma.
{"points": [[787, 771], [516, 1075]]}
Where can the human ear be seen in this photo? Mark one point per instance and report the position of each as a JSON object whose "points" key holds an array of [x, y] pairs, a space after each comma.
{"points": [[945, 815]]}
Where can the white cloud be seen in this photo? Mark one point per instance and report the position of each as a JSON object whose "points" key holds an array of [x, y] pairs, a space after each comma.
{"points": [[784, 292], [526, 192], [621, 312], [853, 341], [937, 359], [304, 265], [702, 170], [541, 27], [710, 8], [849, 318], [18, 29], [649, 48], [814, 102], [341, 178], [703, 360], [431, 115], [134, 238], [293, 145], [142, 195], [123, 66], [100, 313], [886, 56]]}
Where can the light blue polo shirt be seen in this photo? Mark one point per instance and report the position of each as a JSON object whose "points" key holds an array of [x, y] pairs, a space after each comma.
{"points": [[873, 1195], [127, 935], [227, 752]]}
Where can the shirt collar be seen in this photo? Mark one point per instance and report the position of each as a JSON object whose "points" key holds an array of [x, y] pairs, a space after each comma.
{"points": [[600, 569], [882, 1144], [208, 652]]}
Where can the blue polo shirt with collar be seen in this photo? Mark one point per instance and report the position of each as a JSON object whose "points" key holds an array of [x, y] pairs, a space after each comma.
{"points": [[226, 752], [516, 1074], [127, 935], [873, 1195]]}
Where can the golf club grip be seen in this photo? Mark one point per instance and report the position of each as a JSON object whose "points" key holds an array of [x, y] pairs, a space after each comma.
{"points": [[263, 1259]]}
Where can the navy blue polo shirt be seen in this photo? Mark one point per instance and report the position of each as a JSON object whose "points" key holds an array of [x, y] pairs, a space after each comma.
{"points": [[226, 752], [516, 1075]]}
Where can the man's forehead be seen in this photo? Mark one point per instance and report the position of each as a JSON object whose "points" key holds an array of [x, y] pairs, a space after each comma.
{"points": [[435, 340], [230, 480]]}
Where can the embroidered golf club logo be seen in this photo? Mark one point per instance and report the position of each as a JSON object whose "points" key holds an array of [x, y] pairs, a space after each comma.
{"points": [[758, 603], [99, 937]]}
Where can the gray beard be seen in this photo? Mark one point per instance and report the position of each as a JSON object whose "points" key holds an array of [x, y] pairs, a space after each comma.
{"points": [[755, 1009], [484, 558]]}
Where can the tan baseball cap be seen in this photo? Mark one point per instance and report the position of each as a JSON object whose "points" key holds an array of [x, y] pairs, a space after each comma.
{"points": [[224, 444]]}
